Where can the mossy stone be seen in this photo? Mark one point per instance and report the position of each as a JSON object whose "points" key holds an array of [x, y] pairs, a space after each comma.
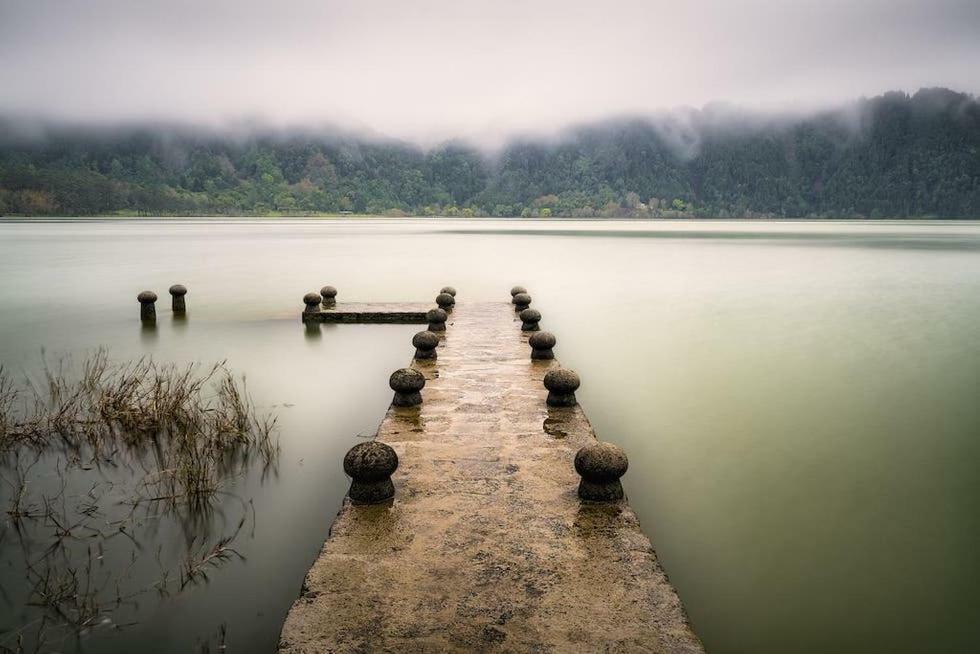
{"points": [[437, 320], [445, 301], [370, 466], [521, 301], [406, 382], [529, 320], [541, 345], [601, 465], [425, 345], [561, 384]]}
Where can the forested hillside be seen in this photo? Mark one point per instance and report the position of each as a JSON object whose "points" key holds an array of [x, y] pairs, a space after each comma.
{"points": [[890, 156]]}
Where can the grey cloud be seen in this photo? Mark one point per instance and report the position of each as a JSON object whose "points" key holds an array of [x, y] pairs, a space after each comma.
{"points": [[430, 69]]}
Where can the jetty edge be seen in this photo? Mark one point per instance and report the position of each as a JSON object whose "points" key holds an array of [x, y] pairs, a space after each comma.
{"points": [[486, 545], [373, 312]]}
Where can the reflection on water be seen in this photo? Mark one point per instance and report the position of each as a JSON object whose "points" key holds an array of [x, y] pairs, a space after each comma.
{"points": [[148, 332], [312, 331], [798, 400], [801, 237], [157, 579]]}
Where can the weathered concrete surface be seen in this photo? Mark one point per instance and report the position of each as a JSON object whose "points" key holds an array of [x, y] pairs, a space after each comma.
{"points": [[379, 312], [486, 546]]}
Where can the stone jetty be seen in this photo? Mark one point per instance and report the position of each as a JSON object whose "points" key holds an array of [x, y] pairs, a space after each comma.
{"points": [[486, 545], [363, 312]]}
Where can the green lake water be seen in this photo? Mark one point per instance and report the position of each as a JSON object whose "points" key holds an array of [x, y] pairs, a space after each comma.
{"points": [[800, 402]]}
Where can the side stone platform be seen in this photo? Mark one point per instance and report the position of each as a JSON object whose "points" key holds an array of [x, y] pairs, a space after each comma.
{"points": [[378, 312], [486, 546]]}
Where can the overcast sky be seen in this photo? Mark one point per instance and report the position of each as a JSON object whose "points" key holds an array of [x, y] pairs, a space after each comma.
{"points": [[428, 69]]}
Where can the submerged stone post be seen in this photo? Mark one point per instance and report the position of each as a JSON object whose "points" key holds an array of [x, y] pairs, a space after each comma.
{"points": [[177, 293], [425, 345], [445, 301], [370, 466], [406, 382], [517, 289], [329, 295], [437, 320], [449, 290], [529, 320], [561, 384], [312, 302], [541, 344], [148, 307], [521, 301], [600, 466]]}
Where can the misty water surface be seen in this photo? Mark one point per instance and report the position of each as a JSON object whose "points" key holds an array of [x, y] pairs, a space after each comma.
{"points": [[798, 400]]}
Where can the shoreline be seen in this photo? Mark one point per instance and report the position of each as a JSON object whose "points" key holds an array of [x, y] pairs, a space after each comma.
{"points": [[13, 218]]}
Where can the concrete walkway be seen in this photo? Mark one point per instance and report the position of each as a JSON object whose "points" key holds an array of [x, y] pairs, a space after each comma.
{"points": [[486, 546]]}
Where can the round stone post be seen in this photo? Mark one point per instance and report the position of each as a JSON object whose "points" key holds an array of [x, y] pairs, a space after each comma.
{"points": [[521, 301], [177, 293], [425, 345], [561, 384], [541, 344], [312, 302], [601, 465], [406, 382], [148, 306], [445, 301], [449, 290], [329, 295], [517, 289], [529, 320], [437, 320], [370, 466]]}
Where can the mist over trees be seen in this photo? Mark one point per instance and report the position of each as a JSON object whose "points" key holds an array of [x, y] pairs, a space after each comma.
{"points": [[890, 156]]}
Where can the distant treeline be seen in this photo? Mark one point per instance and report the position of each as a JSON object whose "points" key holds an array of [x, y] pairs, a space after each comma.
{"points": [[890, 156]]}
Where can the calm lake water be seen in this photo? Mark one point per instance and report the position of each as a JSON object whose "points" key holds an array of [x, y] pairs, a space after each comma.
{"points": [[800, 403]]}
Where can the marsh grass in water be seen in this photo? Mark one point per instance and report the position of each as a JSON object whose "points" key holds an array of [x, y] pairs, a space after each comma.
{"points": [[133, 445]]}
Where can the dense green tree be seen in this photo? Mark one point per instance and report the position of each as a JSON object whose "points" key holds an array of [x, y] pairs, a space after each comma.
{"points": [[891, 156]]}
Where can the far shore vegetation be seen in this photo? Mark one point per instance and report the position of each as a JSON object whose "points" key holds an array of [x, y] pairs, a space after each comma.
{"points": [[892, 156]]}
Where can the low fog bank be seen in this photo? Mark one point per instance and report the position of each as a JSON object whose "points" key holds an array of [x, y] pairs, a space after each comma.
{"points": [[680, 129], [429, 70], [893, 155]]}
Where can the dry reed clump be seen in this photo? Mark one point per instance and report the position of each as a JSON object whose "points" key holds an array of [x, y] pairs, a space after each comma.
{"points": [[199, 423], [181, 431]]}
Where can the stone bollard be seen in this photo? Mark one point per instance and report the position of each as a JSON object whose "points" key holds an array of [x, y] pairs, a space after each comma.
{"points": [[148, 307], [449, 290], [529, 320], [541, 344], [406, 382], [370, 466], [425, 345], [521, 301], [177, 292], [561, 384], [600, 466], [445, 301], [312, 302], [517, 289], [329, 295], [437, 320]]}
